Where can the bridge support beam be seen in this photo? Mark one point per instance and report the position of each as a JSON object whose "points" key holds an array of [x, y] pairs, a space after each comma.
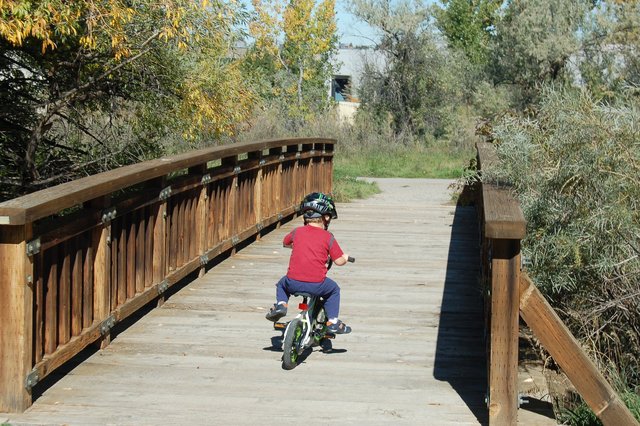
{"points": [[503, 357]]}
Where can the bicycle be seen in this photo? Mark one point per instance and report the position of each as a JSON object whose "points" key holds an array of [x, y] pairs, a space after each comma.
{"points": [[306, 330]]}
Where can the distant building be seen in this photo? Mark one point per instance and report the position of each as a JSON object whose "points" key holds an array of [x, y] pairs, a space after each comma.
{"points": [[346, 82]]}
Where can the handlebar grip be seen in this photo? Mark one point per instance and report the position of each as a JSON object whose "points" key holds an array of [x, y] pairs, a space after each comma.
{"points": [[351, 259]]}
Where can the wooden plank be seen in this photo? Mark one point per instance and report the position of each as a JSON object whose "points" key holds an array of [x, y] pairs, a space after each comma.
{"points": [[16, 330], [121, 256], [51, 301], [77, 278], [567, 352], [88, 283], [47, 202], [149, 246], [64, 295], [503, 364], [131, 254], [141, 246], [39, 307]]}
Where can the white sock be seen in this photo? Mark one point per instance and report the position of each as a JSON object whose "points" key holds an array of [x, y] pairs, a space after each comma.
{"points": [[282, 303], [334, 320]]}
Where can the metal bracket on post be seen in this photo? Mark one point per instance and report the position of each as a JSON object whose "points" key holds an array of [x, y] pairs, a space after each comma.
{"points": [[312, 152], [525, 262], [235, 240], [259, 227], [33, 247], [163, 286], [280, 216], [107, 324], [206, 179], [262, 162], [236, 170], [165, 194], [108, 215], [281, 158], [298, 155], [32, 379], [204, 259]]}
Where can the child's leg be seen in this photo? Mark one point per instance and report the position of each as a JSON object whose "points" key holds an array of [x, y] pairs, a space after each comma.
{"points": [[282, 293], [330, 290]]}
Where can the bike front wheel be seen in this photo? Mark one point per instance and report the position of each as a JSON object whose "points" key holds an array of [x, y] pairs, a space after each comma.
{"points": [[292, 340]]}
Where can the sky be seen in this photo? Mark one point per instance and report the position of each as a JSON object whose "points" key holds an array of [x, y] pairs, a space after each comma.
{"points": [[351, 29]]}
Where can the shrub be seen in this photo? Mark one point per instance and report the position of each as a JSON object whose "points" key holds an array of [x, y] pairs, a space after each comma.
{"points": [[574, 164]]}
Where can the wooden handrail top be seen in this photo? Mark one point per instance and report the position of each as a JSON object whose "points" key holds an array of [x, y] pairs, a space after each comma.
{"points": [[37, 205], [503, 217]]}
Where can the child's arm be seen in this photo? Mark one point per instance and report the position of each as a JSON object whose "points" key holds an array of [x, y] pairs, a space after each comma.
{"points": [[342, 260], [288, 239]]}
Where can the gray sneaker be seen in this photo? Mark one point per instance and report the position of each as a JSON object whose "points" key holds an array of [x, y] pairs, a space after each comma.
{"points": [[277, 312]]}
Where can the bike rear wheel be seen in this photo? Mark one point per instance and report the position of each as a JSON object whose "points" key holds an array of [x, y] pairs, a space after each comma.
{"points": [[292, 340]]}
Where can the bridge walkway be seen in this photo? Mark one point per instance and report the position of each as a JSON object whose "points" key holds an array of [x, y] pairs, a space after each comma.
{"points": [[208, 356]]}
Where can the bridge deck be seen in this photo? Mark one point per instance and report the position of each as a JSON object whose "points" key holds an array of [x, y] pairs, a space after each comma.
{"points": [[208, 356]]}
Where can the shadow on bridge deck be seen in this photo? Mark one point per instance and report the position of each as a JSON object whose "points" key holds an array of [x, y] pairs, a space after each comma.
{"points": [[460, 339]]}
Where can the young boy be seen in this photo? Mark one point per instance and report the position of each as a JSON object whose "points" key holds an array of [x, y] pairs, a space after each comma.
{"points": [[312, 245]]}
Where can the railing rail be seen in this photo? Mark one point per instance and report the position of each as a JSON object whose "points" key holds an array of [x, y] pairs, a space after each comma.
{"points": [[512, 293], [78, 258]]}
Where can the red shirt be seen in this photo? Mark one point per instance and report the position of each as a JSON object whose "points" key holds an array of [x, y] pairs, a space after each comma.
{"points": [[311, 248]]}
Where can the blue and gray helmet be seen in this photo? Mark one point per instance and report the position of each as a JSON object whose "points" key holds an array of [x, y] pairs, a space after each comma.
{"points": [[317, 204]]}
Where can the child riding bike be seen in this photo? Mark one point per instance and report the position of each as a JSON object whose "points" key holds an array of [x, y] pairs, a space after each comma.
{"points": [[312, 245]]}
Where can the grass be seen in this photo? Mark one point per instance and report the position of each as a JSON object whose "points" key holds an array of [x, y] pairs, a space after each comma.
{"points": [[583, 416], [398, 162]]}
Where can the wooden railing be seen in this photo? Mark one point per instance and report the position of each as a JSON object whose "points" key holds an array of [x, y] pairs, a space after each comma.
{"points": [[510, 293], [78, 258]]}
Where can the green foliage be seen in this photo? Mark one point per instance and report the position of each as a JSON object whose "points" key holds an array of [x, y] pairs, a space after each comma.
{"points": [[420, 83], [468, 26], [534, 42], [575, 165], [610, 45], [290, 60], [582, 415], [88, 86]]}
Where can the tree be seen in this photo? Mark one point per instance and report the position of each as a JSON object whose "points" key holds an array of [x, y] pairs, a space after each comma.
{"points": [[469, 26], [291, 55], [416, 86], [610, 46], [535, 40], [89, 85]]}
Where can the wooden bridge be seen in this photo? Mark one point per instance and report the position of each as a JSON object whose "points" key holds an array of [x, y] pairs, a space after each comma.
{"points": [[85, 265]]}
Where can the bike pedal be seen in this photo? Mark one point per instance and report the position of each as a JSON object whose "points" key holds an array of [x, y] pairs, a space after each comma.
{"points": [[329, 336], [279, 325]]}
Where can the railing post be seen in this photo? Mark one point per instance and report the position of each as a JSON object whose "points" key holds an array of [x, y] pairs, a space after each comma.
{"points": [[101, 248], [232, 205], [16, 327], [160, 236], [503, 371], [202, 216], [277, 190], [257, 190]]}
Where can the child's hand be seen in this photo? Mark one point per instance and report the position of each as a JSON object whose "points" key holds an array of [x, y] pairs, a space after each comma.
{"points": [[342, 260]]}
